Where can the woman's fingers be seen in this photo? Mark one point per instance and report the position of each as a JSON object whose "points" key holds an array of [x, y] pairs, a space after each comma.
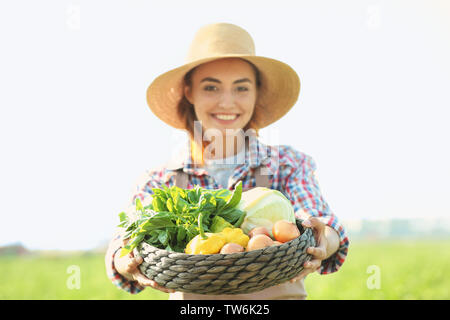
{"points": [[143, 280], [157, 286], [302, 274], [313, 264], [146, 282], [317, 226], [318, 252], [308, 267], [133, 264], [314, 223], [130, 264]]}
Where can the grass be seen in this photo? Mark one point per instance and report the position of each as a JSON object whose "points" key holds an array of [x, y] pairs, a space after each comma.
{"points": [[47, 277], [407, 270]]}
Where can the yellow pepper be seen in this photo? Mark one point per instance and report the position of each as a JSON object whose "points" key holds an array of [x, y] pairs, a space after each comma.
{"points": [[235, 235], [215, 241], [210, 245]]}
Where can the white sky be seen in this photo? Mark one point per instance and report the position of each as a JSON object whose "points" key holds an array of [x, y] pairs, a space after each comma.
{"points": [[76, 132]]}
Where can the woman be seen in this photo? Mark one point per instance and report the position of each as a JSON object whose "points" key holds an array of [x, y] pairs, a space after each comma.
{"points": [[221, 97]]}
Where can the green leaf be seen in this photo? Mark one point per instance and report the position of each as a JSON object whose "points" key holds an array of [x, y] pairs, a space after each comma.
{"points": [[139, 206], [200, 225], [152, 237], [124, 251], [221, 203], [166, 189], [218, 224], [159, 204], [133, 244], [191, 232], [231, 215], [170, 206], [149, 207], [198, 192], [240, 220], [181, 204], [236, 198], [123, 216], [174, 190], [160, 220], [182, 193], [224, 194], [207, 202], [181, 234], [163, 238], [160, 193], [192, 197]]}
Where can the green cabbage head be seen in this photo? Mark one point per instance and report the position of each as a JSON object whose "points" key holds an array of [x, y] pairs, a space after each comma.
{"points": [[264, 207]]}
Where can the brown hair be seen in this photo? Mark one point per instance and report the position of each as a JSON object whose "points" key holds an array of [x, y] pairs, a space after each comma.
{"points": [[186, 111]]}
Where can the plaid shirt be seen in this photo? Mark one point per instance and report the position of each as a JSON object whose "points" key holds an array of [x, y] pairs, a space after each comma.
{"points": [[290, 171]]}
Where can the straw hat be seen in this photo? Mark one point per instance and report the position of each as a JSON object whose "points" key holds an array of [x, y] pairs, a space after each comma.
{"points": [[280, 84]]}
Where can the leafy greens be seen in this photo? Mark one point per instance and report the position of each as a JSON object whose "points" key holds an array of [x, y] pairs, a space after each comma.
{"points": [[177, 215]]}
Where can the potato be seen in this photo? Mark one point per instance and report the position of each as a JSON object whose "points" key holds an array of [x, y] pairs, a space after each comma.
{"points": [[231, 248], [285, 231], [259, 230], [259, 241], [277, 243]]}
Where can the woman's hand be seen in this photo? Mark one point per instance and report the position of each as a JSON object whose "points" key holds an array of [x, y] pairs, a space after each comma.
{"points": [[327, 243], [128, 265]]}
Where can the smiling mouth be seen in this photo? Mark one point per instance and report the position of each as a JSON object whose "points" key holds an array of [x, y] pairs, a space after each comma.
{"points": [[225, 117]]}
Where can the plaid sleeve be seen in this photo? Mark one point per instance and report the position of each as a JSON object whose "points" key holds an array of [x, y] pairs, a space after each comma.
{"points": [[304, 192], [143, 187], [143, 191], [116, 278]]}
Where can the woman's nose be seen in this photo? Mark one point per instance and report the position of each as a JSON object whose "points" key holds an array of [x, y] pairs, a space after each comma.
{"points": [[226, 101]]}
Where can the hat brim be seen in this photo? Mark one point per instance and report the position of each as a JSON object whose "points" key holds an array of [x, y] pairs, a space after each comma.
{"points": [[279, 91]]}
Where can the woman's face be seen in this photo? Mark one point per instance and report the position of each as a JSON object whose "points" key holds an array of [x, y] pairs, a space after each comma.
{"points": [[223, 93]]}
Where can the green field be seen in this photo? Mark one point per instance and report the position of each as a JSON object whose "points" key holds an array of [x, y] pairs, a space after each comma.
{"points": [[407, 270]]}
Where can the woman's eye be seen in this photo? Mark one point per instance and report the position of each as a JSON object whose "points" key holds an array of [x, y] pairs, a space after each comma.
{"points": [[210, 88], [242, 89]]}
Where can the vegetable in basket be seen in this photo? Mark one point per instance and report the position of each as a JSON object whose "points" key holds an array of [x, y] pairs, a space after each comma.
{"points": [[219, 223], [264, 207], [235, 235], [175, 216], [213, 242], [232, 248], [284, 231]]}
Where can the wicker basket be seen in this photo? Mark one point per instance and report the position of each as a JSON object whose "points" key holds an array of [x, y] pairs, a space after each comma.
{"points": [[234, 273]]}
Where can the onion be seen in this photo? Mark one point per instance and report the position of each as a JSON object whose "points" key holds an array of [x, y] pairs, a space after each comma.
{"points": [[231, 248], [259, 241], [258, 230], [285, 231]]}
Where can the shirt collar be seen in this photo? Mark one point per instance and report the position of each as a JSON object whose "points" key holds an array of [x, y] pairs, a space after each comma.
{"points": [[257, 154]]}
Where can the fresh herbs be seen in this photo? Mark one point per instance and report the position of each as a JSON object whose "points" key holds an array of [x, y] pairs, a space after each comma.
{"points": [[177, 215]]}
